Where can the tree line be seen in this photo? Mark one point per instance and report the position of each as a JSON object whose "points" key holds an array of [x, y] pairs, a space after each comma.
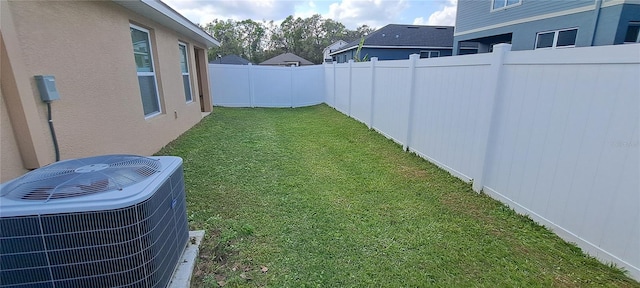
{"points": [[259, 41]]}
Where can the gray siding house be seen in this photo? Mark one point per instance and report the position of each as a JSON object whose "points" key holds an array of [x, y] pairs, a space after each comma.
{"points": [[397, 41], [540, 24]]}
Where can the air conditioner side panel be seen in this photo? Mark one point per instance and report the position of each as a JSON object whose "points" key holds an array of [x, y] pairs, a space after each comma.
{"points": [[135, 246]]}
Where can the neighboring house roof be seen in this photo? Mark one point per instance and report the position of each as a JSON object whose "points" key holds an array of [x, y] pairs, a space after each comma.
{"points": [[165, 15], [230, 59], [405, 36], [287, 59]]}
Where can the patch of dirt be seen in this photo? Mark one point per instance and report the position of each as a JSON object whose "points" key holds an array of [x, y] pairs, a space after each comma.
{"points": [[217, 264], [413, 172], [561, 280], [462, 204]]}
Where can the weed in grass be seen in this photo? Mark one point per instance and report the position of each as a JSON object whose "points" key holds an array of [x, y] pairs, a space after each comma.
{"points": [[320, 200]]}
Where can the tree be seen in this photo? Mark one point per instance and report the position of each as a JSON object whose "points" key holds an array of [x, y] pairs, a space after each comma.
{"points": [[223, 31], [360, 32], [258, 41], [251, 35], [292, 34]]}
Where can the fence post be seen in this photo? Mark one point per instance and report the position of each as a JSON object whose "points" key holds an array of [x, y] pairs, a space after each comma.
{"points": [[486, 121], [291, 86], [350, 84], [374, 61], [251, 88], [334, 85], [412, 80]]}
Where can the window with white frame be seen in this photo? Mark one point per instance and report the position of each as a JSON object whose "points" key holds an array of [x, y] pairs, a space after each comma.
{"points": [[184, 68], [556, 39], [146, 72], [503, 4], [429, 54], [633, 33]]}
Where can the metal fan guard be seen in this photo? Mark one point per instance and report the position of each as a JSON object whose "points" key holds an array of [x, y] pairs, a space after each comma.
{"points": [[80, 177]]}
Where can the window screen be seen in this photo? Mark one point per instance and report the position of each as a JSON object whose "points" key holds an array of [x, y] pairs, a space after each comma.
{"points": [[567, 38], [144, 66], [184, 68], [545, 40]]}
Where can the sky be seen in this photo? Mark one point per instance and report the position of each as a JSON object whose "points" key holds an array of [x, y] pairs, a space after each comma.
{"points": [[351, 13]]}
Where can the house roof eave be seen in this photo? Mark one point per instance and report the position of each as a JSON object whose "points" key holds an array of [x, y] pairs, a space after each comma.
{"points": [[158, 11], [389, 47], [342, 50]]}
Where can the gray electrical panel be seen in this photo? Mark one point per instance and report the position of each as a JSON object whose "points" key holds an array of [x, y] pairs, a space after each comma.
{"points": [[47, 87]]}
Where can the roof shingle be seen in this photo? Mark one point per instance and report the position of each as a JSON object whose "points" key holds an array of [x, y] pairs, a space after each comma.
{"points": [[401, 35], [285, 59]]}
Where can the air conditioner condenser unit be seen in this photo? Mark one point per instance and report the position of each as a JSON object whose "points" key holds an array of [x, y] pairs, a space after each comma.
{"points": [[104, 221]]}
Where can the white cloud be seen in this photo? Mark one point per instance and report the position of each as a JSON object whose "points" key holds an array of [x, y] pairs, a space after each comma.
{"points": [[203, 12], [305, 10], [446, 16], [419, 21], [351, 13], [375, 13]]}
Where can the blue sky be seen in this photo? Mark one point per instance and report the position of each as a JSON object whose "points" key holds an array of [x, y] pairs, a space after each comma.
{"points": [[351, 13]]}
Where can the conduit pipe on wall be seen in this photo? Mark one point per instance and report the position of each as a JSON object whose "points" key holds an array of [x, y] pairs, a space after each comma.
{"points": [[53, 132]]}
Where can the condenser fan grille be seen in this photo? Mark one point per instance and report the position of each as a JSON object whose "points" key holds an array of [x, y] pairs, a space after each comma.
{"points": [[79, 177]]}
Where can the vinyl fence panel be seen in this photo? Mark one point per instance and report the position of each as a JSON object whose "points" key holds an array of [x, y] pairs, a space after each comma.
{"points": [[230, 85], [446, 113], [273, 86], [342, 89], [361, 91], [308, 85], [554, 134], [390, 108], [565, 148], [266, 86]]}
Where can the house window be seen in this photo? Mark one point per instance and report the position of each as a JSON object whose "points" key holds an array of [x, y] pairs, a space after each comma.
{"points": [[146, 72], [633, 33], [429, 54], [184, 68], [504, 4], [558, 38]]}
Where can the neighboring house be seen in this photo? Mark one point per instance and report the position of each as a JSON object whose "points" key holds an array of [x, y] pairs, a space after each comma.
{"points": [[286, 59], [331, 48], [230, 59], [536, 24], [131, 75], [396, 41]]}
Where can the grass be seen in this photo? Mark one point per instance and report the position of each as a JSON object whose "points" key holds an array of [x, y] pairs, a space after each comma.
{"points": [[308, 197]]}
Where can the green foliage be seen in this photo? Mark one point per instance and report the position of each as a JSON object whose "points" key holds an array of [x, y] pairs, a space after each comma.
{"points": [[243, 38], [356, 57], [309, 197], [259, 41]]}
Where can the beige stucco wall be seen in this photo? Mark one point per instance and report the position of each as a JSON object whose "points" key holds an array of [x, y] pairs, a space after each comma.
{"points": [[10, 162], [87, 46]]}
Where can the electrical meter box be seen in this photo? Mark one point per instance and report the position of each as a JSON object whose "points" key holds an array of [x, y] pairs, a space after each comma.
{"points": [[47, 87]]}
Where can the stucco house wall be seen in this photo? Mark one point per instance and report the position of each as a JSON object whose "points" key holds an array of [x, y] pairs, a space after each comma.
{"points": [[87, 46], [8, 146]]}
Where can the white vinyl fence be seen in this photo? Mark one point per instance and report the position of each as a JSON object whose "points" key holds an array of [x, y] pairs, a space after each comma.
{"points": [[266, 86], [554, 134]]}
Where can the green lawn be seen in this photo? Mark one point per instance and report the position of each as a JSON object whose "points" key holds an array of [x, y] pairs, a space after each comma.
{"points": [[308, 197]]}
